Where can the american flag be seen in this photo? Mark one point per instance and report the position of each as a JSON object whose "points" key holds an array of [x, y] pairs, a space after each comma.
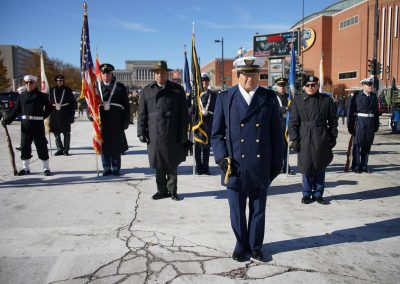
{"points": [[292, 84], [89, 84]]}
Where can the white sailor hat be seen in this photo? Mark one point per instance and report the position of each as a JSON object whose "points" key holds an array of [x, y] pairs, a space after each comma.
{"points": [[248, 64], [30, 78], [367, 80]]}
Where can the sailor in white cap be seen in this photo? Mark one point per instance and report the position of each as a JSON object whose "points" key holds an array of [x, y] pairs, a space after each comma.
{"points": [[247, 144], [33, 106], [363, 122]]}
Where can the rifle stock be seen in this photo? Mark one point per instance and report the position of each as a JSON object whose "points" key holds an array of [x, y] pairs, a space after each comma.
{"points": [[11, 151], [349, 154]]}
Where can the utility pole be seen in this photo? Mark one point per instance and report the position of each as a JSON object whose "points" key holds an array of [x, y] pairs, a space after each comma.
{"points": [[375, 48]]}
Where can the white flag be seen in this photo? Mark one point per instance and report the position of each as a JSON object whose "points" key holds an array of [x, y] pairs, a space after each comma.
{"points": [[44, 86], [321, 75]]}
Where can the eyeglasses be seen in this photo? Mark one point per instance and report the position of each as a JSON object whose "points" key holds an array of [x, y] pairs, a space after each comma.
{"points": [[28, 82], [310, 85], [369, 84]]}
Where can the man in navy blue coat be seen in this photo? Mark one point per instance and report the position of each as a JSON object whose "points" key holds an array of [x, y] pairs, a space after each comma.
{"points": [[247, 145], [363, 122]]}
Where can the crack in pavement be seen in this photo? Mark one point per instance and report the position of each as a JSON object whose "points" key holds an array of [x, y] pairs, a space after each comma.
{"points": [[155, 257]]}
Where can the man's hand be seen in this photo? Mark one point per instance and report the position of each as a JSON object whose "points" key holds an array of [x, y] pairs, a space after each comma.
{"points": [[3, 122], [332, 144], [144, 139], [295, 146], [223, 164]]}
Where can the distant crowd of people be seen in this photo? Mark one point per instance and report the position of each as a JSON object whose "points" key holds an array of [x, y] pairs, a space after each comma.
{"points": [[250, 130]]}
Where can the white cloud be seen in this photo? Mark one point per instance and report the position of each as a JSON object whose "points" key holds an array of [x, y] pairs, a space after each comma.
{"points": [[258, 27], [135, 26]]}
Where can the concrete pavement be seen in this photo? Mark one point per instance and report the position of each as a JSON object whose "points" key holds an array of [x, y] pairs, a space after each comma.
{"points": [[75, 227]]}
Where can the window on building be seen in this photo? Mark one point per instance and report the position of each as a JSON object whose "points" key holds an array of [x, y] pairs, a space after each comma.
{"points": [[263, 76], [348, 22], [348, 75]]}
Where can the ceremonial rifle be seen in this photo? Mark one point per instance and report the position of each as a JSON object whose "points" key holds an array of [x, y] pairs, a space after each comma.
{"points": [[10, 149]]}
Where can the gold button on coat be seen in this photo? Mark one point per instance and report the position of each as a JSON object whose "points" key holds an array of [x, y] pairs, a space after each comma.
{"points": [[242, 125], [242, 140], [243, 156], [257, 140], [258, 156], [257, 125]]}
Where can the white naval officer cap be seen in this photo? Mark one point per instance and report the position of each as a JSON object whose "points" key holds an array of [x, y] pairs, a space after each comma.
{"points": [[367, 80], [248, 64], [30, 78]]}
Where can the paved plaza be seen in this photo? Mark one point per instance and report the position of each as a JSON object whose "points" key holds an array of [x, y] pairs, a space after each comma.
{"points": [[76, 227]]}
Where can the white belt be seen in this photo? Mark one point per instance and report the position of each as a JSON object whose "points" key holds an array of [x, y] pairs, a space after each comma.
{"points": [[31, 117], [114, 104], [365, 114]]}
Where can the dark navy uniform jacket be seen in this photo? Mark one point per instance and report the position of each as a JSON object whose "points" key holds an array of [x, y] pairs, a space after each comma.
{"points": [[365, 127], [251, 135]]}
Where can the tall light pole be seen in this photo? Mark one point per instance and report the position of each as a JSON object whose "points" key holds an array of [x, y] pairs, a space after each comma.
{"points": [[223, 75]]}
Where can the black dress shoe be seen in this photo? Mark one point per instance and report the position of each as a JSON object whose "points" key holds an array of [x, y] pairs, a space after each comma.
{"points": [[306, 200], [239, 256], [257, 254], [23, 172], [66, 153], [175, 197], [199, 173], [107, 173], [47, 173], [207, 173], [367, 170], [321, 200], [158, 196], [59, 153], [116, 173]]}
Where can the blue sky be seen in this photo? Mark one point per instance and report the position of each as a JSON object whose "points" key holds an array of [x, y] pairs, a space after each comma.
{"points": [[131, 30]]}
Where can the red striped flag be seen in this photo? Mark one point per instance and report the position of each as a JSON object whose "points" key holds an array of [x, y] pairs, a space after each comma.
{"points": [[89, 84]]}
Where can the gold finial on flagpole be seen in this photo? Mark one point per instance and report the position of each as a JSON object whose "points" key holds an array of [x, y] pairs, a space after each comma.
{"points": [[84, 7]]}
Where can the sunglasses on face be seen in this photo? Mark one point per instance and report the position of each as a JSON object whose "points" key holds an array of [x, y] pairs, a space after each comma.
{"points": [[28, 82], [310, 85], [369, 84]]}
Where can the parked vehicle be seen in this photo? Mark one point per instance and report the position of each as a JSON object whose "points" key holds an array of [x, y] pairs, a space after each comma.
{"points": [[8, 101]]}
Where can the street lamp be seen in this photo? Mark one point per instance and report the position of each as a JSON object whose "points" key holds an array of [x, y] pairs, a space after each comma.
{"points": [[223, 75]]}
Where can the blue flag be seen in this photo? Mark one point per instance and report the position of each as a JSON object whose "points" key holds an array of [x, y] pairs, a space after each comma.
{"points": [[292, 83], [186, 78]]}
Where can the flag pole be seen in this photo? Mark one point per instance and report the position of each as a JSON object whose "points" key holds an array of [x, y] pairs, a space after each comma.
{"points": [[43, 87]]}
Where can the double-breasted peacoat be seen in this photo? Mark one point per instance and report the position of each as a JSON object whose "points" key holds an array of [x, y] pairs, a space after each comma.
{"points": [[61, 119], [115, 118], [366, 124], [313, 124], [163, 120], [250, 135]]}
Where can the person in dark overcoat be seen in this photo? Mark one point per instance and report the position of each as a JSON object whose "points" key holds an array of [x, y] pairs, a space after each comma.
{"points": [[33, 106], [247, 144], [62, 115], [283, 100], [313, 132], [114, 117], [202, 151], [363, 122], [341, 107], [162, 123]]}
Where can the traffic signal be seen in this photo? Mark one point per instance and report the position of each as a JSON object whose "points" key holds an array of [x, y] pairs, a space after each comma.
{"points": [[372, 66]]}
